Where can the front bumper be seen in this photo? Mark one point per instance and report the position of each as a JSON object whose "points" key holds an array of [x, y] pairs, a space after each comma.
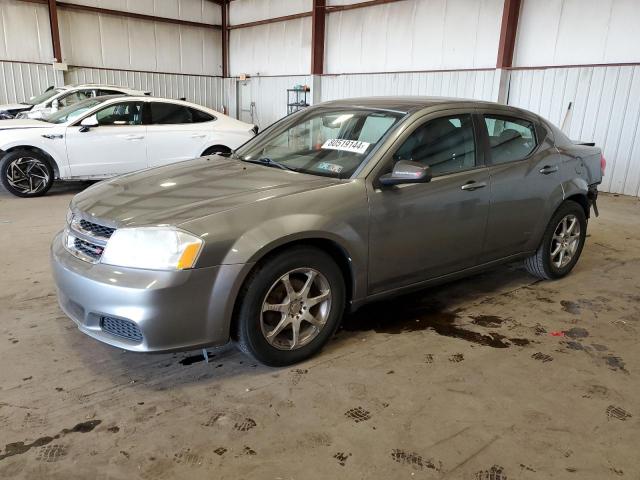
{"points": [[168, 310]]}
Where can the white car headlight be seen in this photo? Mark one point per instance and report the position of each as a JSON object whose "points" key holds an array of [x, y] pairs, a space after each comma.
{"points": [[153, 248]]}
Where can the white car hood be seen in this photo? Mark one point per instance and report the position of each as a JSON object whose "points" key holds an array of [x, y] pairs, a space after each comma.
{"points": [[13, 106], [23, 123]]}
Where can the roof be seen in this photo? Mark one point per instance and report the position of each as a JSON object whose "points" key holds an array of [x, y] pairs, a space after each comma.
{"points": [[403, 104]]}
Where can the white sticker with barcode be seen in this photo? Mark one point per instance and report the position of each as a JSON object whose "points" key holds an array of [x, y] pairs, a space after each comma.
{"points": [[353, 146]]}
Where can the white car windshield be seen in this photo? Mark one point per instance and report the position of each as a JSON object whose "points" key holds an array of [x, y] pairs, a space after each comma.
{"points": [[74, 111], [43, 97], [321, 141]]}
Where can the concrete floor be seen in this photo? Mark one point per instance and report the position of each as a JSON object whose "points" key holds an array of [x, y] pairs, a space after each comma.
{"points": [[494, 377]]}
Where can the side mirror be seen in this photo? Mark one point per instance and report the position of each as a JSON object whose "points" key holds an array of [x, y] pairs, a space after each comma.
{"points": [[405, 171], [88, 122], [54, 105]]}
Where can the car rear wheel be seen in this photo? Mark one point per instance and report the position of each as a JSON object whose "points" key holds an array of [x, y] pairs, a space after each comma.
{"points": [[562, 243], [290, 306], [26, 174], [216, 149]]}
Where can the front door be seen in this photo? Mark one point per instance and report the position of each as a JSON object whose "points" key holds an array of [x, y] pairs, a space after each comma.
{"points": [[116, 145], [423, 231]]}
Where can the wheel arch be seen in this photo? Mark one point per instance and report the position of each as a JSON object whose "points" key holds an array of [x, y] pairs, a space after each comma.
{"points": [[328, 245], [32, 148], [209, 149]]}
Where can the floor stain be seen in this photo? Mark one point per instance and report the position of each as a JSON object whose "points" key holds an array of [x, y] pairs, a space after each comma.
{"points": [[615, 363], [617, 413], [220, 451], [576, 332], [52, 453], [412, 459], [245, 425], [570, 307], [456, 358], [496, 472], [342, 457], [543, 357], [396, 317], [18, 448], [491, 321], [190, 360], [358, 414]]}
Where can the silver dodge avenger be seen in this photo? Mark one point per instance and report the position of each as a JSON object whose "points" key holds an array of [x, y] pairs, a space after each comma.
{"points": [[337, 205]]}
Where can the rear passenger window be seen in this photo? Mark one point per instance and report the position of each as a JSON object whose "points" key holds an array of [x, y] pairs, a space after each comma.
{"points": [[510, 139], [169, 113], [445, 144], [198, 116]]}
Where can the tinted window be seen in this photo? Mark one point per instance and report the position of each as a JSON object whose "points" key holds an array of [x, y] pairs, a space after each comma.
{"points": [[109, 92], [445, 144], [74, 98], [129, 113], [198, 116], [510, 139], [169, 113]]}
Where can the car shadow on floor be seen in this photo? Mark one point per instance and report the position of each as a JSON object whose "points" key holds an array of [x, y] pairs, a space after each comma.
{"points": [[436, 308], [58, 188]]}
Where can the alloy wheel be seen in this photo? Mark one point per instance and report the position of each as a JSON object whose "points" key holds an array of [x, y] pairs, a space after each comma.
{"points": [[295, 309], [28, 175], [565, 241]]}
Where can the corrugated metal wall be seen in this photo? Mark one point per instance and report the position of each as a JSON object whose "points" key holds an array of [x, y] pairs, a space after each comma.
{"points": [[480, 84], [414, 35], [25, 34], [20, 81], [203, 90], [605, 109]]}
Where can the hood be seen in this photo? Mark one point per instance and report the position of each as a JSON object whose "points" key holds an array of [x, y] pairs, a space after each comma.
{"points": [[11, 107], [14, 123], [186, 191]]}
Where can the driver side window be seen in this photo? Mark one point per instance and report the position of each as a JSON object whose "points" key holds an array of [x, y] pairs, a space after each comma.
{"points": [[126, 113], [445, 144]]}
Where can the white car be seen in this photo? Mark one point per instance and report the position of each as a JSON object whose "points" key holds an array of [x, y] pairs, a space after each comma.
{"points": [[56, 98], [107, 136]]}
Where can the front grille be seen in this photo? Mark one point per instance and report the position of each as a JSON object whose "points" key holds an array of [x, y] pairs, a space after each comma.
{"points": [[89, 249], [87, 240], [96, 229], [121, 328]]}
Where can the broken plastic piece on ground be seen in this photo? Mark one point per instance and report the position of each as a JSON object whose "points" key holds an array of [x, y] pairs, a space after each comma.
{"points": [[558, 333]]}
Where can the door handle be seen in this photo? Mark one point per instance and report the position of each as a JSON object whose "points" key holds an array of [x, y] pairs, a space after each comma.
{"points": [[473, 185], [198, 135], [134, 137], [547, 169]]}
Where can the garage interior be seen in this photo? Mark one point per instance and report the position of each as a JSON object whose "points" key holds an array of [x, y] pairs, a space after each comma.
{"points": [[491, 377]]}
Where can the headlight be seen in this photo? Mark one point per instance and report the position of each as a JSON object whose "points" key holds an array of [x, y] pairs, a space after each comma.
{"points": [[154, 248]]}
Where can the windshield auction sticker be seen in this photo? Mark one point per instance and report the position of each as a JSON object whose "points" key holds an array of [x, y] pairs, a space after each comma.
{"points": [[353, 146]]}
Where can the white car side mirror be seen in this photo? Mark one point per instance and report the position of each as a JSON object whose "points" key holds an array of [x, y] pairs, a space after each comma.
{"points": [[88, 122]]}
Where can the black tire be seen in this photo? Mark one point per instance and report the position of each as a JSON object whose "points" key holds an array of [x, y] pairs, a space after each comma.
{"points": [[39, 165], [540, 264], [250, 337], [216, 149]]}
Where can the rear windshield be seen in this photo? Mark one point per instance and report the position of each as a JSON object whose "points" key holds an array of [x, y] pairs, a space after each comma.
{"points": [[325, 142], [43, 97]]}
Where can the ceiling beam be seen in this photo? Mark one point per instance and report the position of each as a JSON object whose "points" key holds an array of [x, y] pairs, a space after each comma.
{"points": [[508, 31], [55, 31], [317, 37]]}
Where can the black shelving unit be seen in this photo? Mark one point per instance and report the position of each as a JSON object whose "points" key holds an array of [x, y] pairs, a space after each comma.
{"points": [[296, 99]]}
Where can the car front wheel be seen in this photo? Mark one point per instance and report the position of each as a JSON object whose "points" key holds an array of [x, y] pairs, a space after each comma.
{"points": [[562, 243], [26, 173], [290, 306]]}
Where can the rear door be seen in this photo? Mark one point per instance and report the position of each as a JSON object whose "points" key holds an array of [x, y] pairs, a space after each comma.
{"points": [[176, 132], [426, 230], [524, 169]]}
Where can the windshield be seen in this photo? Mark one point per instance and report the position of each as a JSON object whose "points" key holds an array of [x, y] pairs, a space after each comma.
{"points": [[72, 112], [43, 97], [321, 141]]}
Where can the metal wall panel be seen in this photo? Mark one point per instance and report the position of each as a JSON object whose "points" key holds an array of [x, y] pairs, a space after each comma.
{"points": [[244, 11], [414, 35], [109, 41], [202, 90], [20, 81], [605, 110], [25, 34], [573, 32], [282, 48], [192, 10], [269, 94], [478, 84]]}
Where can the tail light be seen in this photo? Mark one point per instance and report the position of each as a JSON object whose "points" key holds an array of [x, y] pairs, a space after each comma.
{"points": [[603, 164]]}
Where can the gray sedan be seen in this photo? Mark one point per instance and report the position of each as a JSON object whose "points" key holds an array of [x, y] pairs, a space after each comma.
{"points": [[337, 205]]}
